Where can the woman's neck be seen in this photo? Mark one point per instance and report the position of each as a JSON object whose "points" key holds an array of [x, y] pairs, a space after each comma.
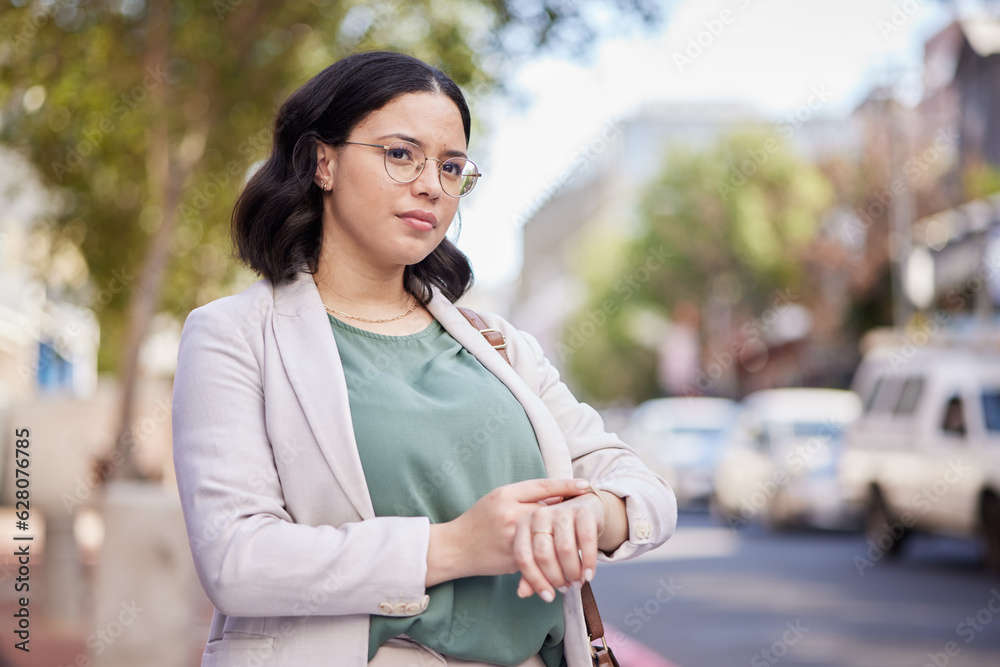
{"points": [[360, 292], [360, 286]]}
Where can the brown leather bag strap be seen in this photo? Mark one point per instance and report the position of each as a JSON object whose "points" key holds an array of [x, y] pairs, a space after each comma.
{"points": [[595, 627], [601, 655], [492, 336]]}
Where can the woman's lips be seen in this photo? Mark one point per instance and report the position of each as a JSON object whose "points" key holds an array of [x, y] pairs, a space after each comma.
{"points": [[420, 220]]}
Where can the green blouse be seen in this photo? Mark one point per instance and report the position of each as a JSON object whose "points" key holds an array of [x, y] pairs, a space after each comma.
{"points": [[436, 431]]}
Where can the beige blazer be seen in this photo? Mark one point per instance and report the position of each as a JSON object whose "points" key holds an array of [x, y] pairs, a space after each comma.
{"points": [[284, 537]]}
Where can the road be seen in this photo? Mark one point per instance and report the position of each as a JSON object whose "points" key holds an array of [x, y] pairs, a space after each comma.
{"points": [[717, 597]]}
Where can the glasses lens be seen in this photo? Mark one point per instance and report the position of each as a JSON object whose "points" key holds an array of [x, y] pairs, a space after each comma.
{"points": [[458, 176], [403, 161]]}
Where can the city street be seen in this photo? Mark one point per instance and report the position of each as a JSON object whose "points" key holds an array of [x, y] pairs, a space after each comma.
{"points": [[714, 597]]}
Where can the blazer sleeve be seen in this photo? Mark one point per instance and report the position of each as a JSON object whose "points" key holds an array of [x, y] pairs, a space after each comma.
{"points": [[251, 556], [599, 456]]}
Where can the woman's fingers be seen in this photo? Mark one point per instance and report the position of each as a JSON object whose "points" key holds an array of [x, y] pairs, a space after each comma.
{"points": [[524, 589], [552, 539], [537, 557], [586, 534], [557, 545], [536, 490], [567, 548]]}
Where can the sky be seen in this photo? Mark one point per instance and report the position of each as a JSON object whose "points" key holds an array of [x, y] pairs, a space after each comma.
{"points": [[769, 54]]}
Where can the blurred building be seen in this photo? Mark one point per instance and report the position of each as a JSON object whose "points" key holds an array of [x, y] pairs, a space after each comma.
{"points": [[47, 345], [954, 261], [962, 86], [954, 266], [598, 194]]}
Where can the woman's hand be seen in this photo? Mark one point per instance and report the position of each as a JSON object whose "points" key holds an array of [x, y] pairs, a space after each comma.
{"points": [[482, 541], [556, 545]]}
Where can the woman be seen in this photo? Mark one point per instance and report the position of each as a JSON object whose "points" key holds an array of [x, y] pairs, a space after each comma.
{"points": [[365, 480]]}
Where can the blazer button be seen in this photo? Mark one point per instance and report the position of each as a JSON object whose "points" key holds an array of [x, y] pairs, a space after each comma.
{"points": [[399, 609], [426, 601], [643, 530], [385, 608], [413, 608]]}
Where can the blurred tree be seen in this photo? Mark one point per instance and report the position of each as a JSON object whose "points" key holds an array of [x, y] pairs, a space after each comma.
{"points": [[145, 115], [727, 227]]}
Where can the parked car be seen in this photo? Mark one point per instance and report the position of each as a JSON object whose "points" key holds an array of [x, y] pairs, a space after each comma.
{"points": [[679, 439], [779, 464], [925, 455]]}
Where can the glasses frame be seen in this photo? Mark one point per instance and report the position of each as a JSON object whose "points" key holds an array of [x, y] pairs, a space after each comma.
{"points": [[420, 170]]}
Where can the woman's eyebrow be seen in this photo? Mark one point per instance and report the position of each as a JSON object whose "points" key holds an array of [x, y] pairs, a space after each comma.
{"points": [[412, 140]]}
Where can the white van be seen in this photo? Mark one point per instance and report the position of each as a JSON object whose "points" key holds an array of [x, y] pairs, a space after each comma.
{"points": [[925, 454]]}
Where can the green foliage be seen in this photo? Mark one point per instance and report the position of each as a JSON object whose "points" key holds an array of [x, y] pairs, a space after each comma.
{"points": [[134, 110], [730, 224], [981, 180]]}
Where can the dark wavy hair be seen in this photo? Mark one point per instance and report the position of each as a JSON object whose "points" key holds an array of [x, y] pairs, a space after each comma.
{"points": [[277, 225]]}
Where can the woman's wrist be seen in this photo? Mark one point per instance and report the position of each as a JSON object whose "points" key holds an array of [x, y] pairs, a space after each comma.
{"points": [[443, 554], [606, 509], [615, 531]]}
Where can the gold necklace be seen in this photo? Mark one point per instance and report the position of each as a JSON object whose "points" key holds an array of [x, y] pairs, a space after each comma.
{"points": [[365, 319]]}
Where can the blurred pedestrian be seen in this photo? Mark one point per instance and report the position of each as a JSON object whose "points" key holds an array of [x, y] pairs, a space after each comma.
{"points": [[365, 479]]}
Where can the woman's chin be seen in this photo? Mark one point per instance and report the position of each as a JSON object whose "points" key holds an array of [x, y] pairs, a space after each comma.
{"points": [[414, 254]]}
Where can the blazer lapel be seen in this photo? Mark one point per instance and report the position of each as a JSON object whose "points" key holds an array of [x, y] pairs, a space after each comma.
{"points": [[309, 354], [551, 442]]}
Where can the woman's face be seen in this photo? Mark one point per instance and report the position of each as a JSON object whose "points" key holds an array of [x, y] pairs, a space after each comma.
{"points": [[373, 219]]}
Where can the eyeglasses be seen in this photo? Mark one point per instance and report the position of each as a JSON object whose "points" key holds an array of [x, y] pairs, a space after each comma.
{"points": [[405, 160]]}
